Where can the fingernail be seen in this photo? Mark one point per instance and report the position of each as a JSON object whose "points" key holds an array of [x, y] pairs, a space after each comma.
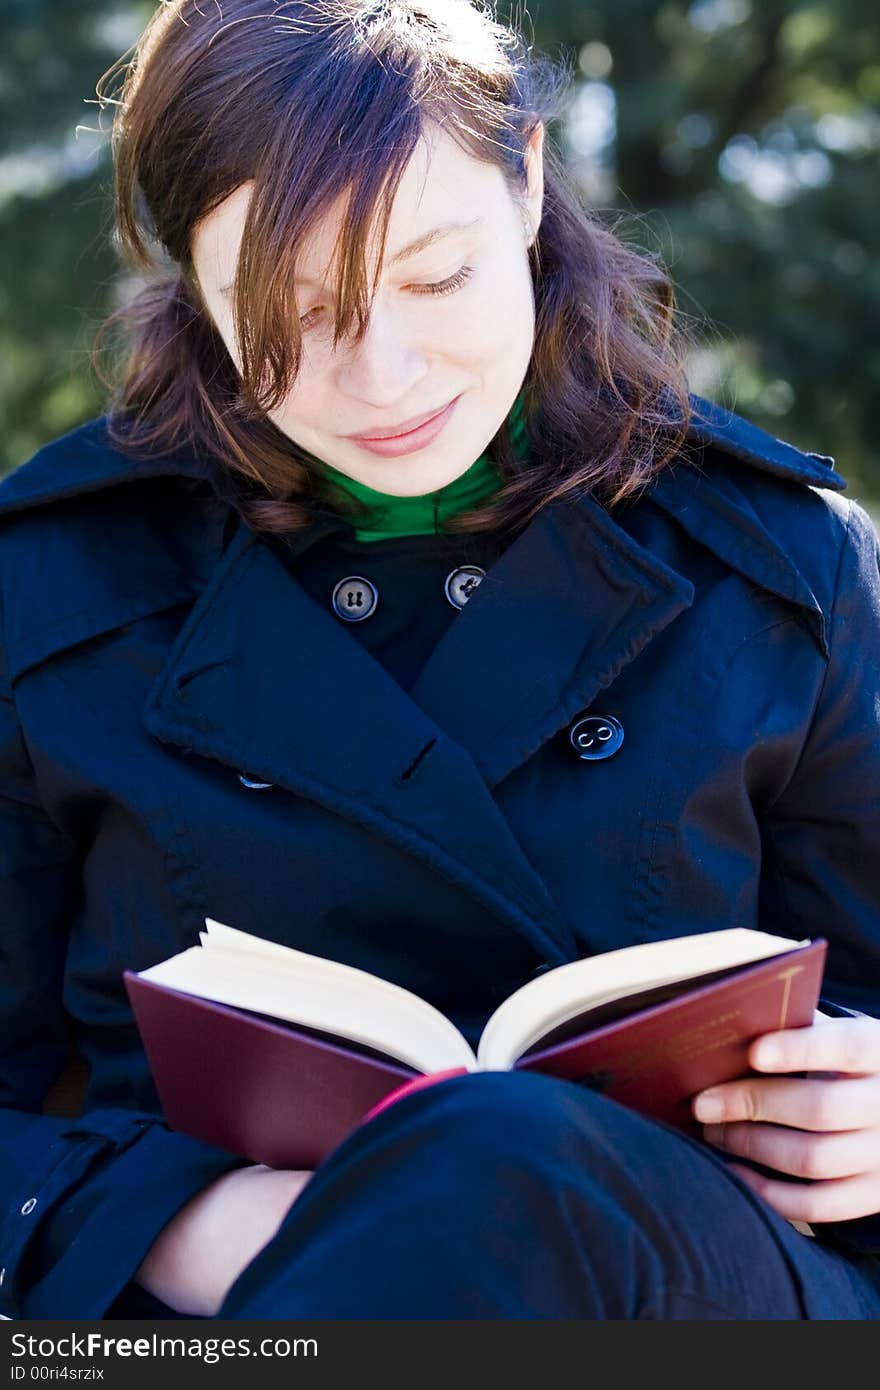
{"points": [[767, 1055], [709, 1108]]}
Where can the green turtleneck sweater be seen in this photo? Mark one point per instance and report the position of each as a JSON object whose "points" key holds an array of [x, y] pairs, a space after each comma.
{"points": [[391, 516]]}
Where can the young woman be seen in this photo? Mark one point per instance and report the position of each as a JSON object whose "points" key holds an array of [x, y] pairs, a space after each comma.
{"points": [[404, 607]]}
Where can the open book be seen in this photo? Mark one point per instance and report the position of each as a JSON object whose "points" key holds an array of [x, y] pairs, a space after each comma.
{"points": [[277, 1055]]}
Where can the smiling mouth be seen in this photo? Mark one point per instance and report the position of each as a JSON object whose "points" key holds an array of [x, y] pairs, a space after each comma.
{"points": [[402, 433]]}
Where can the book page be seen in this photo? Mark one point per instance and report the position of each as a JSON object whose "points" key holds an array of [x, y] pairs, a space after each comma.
{"points": [[553, 999], [248, 972]]}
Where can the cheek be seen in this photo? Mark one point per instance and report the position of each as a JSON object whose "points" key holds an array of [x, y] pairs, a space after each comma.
{"points": [[305, 411], [502, 309]]}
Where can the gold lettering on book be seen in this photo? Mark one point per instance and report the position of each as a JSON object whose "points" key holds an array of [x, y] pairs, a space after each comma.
{"points": [[711, 1034], [691, 1042], [787, 976]]}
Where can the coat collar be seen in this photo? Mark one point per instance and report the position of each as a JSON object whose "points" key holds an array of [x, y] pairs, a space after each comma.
{"points": [[705, 502], [269, 683], [710, 506], [83, 460], [713, 425]]}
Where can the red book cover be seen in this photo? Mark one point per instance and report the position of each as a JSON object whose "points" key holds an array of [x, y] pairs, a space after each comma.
{"points": [[657, 1059], [262, 1089]]}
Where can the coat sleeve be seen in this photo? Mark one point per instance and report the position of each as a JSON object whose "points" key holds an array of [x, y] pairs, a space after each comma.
{"points": [[822, 835], [81, 1200]]}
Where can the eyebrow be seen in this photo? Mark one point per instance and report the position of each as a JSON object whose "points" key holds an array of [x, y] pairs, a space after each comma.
{"points": [[421, 243]]}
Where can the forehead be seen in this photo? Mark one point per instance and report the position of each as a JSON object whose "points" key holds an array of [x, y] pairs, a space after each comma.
{"points": [[441, 183]]}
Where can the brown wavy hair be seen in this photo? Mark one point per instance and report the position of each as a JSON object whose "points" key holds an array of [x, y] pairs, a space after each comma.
{"points": [[314, 98]]}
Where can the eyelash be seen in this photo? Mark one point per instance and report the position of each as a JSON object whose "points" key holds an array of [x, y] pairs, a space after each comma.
{"points": [[454, 282]]}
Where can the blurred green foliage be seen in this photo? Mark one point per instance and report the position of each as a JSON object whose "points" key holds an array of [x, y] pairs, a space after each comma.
{"points": [[736, 139]]}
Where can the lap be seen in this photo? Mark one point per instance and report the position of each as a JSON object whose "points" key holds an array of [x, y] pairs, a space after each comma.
{"points": [[522, 1178]]}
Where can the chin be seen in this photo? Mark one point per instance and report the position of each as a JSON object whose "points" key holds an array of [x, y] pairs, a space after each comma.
{"points": [[405, 477]]}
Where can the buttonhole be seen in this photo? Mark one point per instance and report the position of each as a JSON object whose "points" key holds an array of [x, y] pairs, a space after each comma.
{"points": [[410, 771]]}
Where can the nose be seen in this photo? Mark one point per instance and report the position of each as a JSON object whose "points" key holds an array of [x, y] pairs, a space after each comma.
{"points": [[383, 369]]}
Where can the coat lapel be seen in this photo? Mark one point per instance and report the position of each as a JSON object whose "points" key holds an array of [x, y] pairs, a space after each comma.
{"points": [[265, 680], [566, 607]]}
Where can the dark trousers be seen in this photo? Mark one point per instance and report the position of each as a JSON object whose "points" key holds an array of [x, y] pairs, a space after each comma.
{"points": [[513, 1195]]}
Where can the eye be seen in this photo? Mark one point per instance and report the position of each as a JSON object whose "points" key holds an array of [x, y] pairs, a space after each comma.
{"points": [[454, 282]]}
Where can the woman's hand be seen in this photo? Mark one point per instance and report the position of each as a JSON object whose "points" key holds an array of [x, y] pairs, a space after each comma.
{"points": [[198, 1256], [824, 1127]]}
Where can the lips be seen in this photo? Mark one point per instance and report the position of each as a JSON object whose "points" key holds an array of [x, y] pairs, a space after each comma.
{"points": [[396, 446], [407, 427]]}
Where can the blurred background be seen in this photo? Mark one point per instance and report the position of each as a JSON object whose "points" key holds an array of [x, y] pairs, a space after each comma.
{"points": [[736, 139]]}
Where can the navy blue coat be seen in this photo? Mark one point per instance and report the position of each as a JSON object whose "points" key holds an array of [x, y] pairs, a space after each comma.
{"points": [[449, 837]]}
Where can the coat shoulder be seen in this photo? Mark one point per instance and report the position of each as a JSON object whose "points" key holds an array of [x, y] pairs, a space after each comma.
{"points": [[733, 438], [85, 461], [91, 539], [792, 495], [768, 509]]}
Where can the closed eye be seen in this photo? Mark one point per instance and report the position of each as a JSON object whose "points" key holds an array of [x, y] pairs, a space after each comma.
{"points": [[454, 282]]}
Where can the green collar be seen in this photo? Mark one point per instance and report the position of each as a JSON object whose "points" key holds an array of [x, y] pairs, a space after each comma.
{"points": [[418, 516]]}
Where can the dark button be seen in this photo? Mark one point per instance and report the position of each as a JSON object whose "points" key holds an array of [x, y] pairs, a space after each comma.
{"points": [[355, 598], [596, 736], [462, 582], [252, 784]]}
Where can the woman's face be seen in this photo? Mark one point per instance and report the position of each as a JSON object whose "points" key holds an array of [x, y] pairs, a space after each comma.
{"points": [[469, 342]]}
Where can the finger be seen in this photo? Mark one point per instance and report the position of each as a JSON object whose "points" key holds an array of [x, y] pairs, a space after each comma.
{"points": [[801, 1102], [839, 1199], [850, 1045], [798, 1153]]}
